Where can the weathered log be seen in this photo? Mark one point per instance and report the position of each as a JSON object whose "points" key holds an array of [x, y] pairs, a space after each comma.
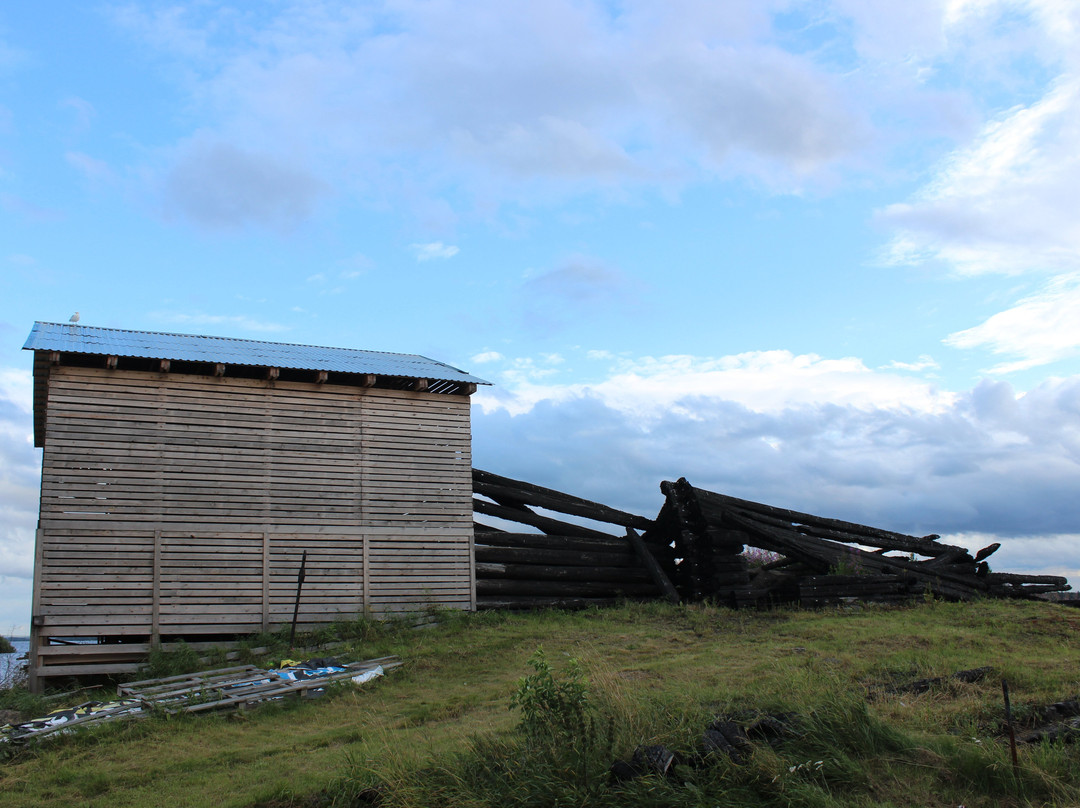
{"points": [[527, 517], [485, 482], [562, 558], [508, 586], [659, 577], [1020, 578], [544, 541], [1023, 590], [942, 582], [548, 572], [534, 602], [863, 534]]}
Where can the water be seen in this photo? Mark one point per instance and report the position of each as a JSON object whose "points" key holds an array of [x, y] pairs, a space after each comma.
{"points": [[10, 662]]}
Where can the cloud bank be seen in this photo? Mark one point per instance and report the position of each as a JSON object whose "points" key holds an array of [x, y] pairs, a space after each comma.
{"points": [[824, 436]]}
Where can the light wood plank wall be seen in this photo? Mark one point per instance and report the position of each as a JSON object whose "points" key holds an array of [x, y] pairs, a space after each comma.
{"points": [[175, 504]]}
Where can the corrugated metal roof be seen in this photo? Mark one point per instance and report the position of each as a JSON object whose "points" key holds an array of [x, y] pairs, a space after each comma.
{"points": [[71, 338]]}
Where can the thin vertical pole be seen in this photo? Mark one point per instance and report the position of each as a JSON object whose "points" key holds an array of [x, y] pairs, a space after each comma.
{"points": [[296, 605], [1009, 723]]}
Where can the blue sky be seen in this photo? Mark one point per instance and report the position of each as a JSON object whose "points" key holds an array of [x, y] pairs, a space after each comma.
{"points": [[821, 254]]}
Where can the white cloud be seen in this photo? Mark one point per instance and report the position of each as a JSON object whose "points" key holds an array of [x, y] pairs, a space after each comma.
{"points": [[487, 356], [858, 444], [762, 381], [1039, 329], [924, 362], [497, 100], [436, 250], [1005, 203]]}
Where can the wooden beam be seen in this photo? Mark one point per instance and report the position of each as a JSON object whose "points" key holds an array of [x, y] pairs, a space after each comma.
{"points": [[367, 379], [420, 385], [164, 365], [468, 389], [321, 378], [496, 487], [54, 358], [544, 523], [111, 362], [219, 369], [653, 567], [272, 374]]}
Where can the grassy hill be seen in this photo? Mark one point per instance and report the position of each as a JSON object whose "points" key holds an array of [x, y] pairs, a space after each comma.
{"points": [[439, 731]]}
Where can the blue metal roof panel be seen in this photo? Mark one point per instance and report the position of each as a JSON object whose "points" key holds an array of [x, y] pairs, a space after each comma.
{"points": [[71, 338]]}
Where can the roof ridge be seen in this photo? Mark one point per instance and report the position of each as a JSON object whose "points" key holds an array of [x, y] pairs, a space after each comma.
{"points": [[80, 326]]}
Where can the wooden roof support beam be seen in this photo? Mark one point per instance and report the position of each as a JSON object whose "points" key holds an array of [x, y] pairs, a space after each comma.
{"points": [[164, 365], [467, 389], [54, 358], [219, 369], [367, 379], [420, 385], [321, 378], [272, 374], [111, 362]]}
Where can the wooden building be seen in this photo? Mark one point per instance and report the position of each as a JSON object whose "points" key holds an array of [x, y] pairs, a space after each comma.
{"points": [[184, 477]]}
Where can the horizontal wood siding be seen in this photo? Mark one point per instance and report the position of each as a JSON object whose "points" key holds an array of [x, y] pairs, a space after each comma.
{"points": [[417, 481], [225, 483]]}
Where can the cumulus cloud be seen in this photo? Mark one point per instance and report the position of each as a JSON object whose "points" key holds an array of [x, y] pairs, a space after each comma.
{"points": [[766, 381], [487, 356], [434, 251], [497, 100], [985, 460]]}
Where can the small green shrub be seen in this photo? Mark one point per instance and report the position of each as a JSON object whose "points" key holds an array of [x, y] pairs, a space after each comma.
{"points": [[549, 706]]}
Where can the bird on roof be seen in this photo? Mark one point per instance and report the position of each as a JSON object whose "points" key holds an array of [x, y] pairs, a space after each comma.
{"points": [[74, 318]]}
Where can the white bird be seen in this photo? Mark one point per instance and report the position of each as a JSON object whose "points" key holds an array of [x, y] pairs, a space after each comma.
{"points": [[74, 318]]}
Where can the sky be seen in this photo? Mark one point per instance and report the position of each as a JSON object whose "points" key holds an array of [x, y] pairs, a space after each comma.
{"points": [[820, 254]]}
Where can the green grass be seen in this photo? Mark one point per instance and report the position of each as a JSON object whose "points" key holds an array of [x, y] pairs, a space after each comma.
{"points": [[439, 731]]}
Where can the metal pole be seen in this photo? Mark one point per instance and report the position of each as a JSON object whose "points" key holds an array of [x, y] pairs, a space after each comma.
{"points": [[296, 605]]}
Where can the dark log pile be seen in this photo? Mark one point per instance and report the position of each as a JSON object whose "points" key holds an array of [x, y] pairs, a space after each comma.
{"points": [[569, 564], [694, 551]]}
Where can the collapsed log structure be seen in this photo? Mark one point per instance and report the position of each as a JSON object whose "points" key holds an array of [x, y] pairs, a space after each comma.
{"points": [[694, 550], [568, 564]]}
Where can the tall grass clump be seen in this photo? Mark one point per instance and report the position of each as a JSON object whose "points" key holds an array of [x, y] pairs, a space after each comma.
{"points": [[558, 754]]}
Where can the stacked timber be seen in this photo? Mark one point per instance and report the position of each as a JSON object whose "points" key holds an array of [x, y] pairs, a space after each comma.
{"points": [[694, 550], [567, 564], [822, 560]]}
